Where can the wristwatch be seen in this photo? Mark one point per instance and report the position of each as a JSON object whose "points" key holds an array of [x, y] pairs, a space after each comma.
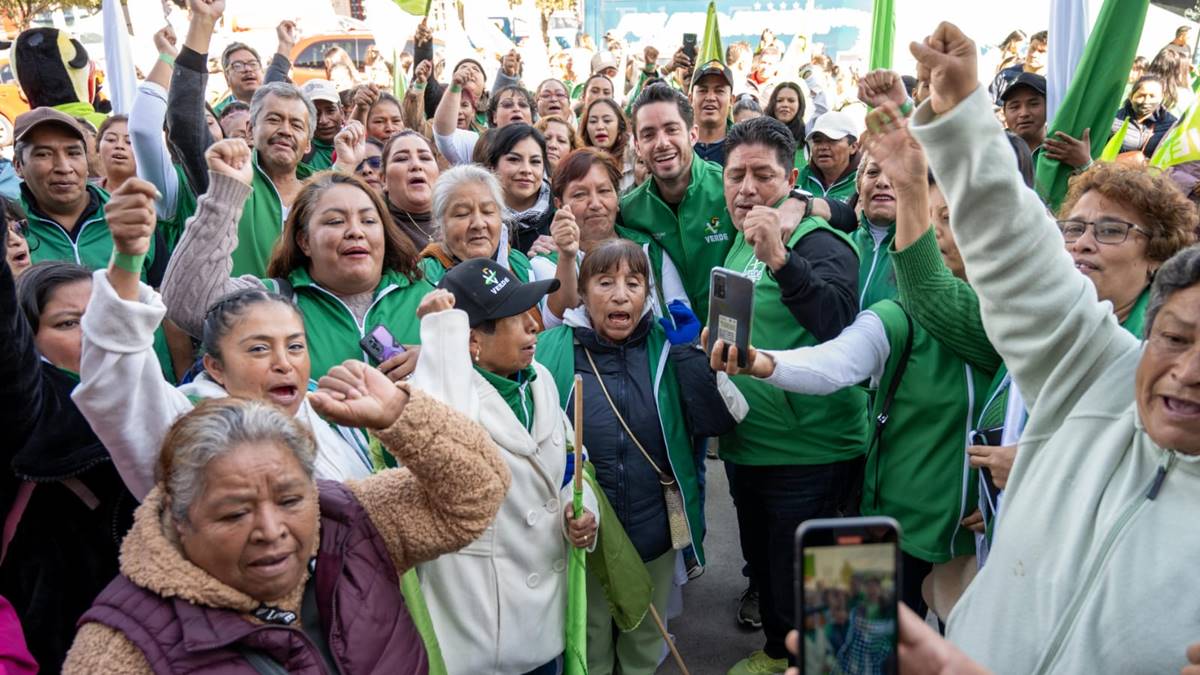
{"points": [[804, 196]]}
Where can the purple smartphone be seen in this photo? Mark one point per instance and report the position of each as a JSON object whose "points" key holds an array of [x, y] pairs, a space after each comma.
{"points": [[380, 344]]}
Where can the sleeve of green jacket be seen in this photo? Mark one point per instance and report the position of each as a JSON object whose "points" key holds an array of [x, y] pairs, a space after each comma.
{"points": [[945, 305]]}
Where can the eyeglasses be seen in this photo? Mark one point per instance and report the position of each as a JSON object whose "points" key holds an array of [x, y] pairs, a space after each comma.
{"points": [[1108, 231], [239, 66], [373, 162]]}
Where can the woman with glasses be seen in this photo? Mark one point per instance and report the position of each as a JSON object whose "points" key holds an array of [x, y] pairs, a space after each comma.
{"points": [[553, 99], [370, 167]]}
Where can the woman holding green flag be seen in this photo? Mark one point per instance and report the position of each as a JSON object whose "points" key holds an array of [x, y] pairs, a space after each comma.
{"points": [[646, 394], [499, 605]]}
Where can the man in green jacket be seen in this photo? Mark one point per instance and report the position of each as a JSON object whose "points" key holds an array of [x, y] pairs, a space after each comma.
{"points": [[682, 206], [795, 457]]}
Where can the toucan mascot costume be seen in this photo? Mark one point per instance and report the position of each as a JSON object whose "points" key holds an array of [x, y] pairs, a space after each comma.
{"points": [[54, 70]]}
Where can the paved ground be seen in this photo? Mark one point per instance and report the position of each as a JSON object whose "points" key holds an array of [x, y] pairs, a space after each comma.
{"points": [[708, 637]]}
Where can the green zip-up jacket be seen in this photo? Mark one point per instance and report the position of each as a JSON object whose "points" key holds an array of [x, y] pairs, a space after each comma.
{"points": [[334, 332], [876, 278], [321, 156], [843, 188], [918, 471], [556, 351], [786, 428], [697, 234], [261, 223]]}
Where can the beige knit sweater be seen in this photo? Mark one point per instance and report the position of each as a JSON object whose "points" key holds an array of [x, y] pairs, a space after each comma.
{"points": [[446, 496]]}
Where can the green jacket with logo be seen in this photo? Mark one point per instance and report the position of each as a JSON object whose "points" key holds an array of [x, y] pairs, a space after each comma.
{"points": [[697, 234], [843, 188], [876, 276], [334, 332], [783, 427], [918, 471]]}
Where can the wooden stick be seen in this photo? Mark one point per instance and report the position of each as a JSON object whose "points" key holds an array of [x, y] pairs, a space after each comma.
{"points": [[578, 436], [662, 628]]}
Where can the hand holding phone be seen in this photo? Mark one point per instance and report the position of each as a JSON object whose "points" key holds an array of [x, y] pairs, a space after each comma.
{"points": [[847, 585], [380, 345], [730, 312]]}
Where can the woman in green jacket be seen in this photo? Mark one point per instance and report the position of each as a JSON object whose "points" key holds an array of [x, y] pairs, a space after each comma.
{"points": [[343, 260], [646, 394]]}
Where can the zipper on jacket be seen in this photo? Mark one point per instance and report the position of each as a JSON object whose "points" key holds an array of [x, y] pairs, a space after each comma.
{"points": [[1073, 609], [74, 243], [871, 272]]}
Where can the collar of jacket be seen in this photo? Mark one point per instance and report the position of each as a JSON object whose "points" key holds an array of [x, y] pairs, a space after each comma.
{"points": [[96, 199], [578, 319], [300, 278], [865, 225], [153, 558]]}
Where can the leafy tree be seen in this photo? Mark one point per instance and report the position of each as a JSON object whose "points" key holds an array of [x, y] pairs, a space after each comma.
{"points": [[22, 12]]}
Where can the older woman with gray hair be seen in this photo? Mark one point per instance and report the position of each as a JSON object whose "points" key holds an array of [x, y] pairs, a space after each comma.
{"points": [[468, 213], [1099, 533], [239, 561]]}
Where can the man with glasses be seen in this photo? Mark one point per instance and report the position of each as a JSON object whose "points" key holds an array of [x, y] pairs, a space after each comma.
{"points": [[243, 73]]}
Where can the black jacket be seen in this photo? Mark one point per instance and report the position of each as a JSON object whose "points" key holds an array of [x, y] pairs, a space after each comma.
{"points": [[628, 480], [64, 550]]}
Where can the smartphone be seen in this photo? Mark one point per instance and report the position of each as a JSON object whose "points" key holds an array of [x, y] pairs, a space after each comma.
{"points": [[689, 46], [847, 589], [380, 344], [730, 311]]}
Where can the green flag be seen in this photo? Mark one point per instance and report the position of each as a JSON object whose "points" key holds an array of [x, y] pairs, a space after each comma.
{"points": [[710, 44], [1113, 148], [414, 7], [397, 77], [1096, 89], [1181, 144], [575, 654], [883, 34]]}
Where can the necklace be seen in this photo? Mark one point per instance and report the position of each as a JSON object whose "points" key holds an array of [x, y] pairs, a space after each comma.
{"points": [[427, 233]]}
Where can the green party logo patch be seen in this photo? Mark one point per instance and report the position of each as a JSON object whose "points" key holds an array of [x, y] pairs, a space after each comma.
{"points": [[713, 228], [489, 277]]}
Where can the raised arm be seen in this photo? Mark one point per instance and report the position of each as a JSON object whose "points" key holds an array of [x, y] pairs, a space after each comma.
{"points": [[146, 119], [1042, 314], [187, 131], [199, 270], [453, 479], [445, 118], [423, 51], [21, 385], [281, 64], [413, 105]]}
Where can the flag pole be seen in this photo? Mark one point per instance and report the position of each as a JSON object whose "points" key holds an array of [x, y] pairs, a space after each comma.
{"points": [[662, 628], [578, 441]]}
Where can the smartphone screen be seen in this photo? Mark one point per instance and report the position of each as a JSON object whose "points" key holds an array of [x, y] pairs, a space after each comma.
{"points": [[847, 587]]}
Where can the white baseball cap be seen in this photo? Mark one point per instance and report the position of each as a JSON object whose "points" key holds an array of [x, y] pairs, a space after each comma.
{"points": [[835, 125], [321, 90]]}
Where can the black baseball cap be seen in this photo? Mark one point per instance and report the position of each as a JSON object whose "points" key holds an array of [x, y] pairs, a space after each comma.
{"points": [[713, 67], [1032, 80], [485, 290]]}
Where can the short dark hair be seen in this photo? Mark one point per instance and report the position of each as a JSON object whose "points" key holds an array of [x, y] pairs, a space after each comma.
{"points": [[494, 103], [1040, 36], [766, 131], [232, 107], [108, 122], [578, 163], [237, 47], [661, 92], [35, 285], [608, 256], [1179, 272], [501, 141]]}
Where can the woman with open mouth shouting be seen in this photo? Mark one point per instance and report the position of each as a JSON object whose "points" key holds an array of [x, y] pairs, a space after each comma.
{"points": [[340, 256], [16, 249], [644, 399], [410, 170], [254, 348]]}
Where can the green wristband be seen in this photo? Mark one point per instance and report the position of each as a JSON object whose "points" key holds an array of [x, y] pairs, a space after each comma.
{"points": [[129, 263], [420, 86], [167, 59], [906, 108], [455, 88]]}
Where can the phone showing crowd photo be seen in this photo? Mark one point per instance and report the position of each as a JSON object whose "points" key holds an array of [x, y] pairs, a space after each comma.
{"points": [[730, 311], [380, 344], [847, 585]]}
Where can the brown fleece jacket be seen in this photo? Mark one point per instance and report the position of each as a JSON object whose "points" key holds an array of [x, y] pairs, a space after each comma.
{"points": [[448, 493]]}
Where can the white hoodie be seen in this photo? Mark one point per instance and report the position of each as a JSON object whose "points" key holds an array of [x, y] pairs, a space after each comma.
{"points": [[131, 407]]}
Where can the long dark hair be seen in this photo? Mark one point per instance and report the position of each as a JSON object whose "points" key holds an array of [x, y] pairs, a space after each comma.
{"points": [[399, 253], [501, 141], [796, 126], [622, 139]]}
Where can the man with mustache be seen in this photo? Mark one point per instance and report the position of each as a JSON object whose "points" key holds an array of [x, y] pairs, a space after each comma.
{"points": [[682, 206], [795, 457]]}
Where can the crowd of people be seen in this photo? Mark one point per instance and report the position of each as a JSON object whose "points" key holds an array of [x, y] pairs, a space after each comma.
{"points": [[290, 376]]}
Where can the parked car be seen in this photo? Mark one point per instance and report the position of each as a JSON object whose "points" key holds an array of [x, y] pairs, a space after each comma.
{"points": [[308, 56]]}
